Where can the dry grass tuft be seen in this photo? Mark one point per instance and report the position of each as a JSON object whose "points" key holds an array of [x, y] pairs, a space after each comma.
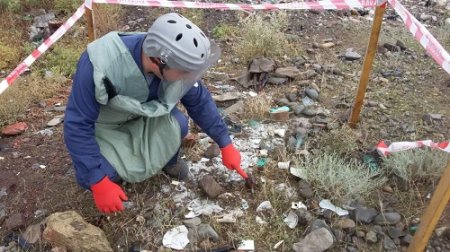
{"points": [[106, 16], [26, 91], [257, 107], [338, 179], [264, 37], [417, 165], [342, 141]]}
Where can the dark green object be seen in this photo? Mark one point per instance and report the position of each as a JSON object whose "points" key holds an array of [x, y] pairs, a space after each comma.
{"points": [[261, 162], [413, 229], [372, 163]]}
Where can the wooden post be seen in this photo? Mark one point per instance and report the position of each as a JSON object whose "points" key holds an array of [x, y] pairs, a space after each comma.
{"points": [[367, 66], [90, 23], [432, 214]]}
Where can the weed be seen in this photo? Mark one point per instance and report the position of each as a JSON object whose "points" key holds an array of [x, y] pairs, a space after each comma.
{"points": [[195, 15], [9, 55], [342, 141], [223, 31], [62, 59], [336, 178], [257, 107], [68, 6], [105, 18], [261, 37], [417, 165]]}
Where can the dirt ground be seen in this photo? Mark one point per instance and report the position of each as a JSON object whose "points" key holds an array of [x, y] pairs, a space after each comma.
{"points": [[421, 88]]}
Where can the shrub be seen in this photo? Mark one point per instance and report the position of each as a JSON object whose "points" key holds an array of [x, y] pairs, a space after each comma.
{"points": [[418, 164], [335, 178]]}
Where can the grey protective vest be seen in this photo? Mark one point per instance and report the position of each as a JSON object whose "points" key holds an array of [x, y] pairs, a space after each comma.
{"points": [[137, 137]]}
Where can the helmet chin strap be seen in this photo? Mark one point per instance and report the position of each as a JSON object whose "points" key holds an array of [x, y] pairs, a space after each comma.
{"points": [[161, 66]]}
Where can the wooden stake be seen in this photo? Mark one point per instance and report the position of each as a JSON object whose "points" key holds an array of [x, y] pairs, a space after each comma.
{"points": [[432, 214], [367, 66], [90, 23]]}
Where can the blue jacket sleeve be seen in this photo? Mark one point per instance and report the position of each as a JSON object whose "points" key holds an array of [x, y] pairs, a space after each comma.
{"points": [[202, 109], [79, 127]]}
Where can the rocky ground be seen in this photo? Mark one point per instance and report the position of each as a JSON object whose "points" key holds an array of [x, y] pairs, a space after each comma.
{"points": [[41, 207]]}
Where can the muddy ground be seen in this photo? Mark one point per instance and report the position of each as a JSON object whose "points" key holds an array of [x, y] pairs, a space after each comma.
{"points": [[413, 85]]}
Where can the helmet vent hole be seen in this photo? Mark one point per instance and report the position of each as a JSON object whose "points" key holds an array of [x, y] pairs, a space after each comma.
{"points": [[195, 43], [188, 26], [203, 55], [179, 36], [203, 34], [172, 21]]}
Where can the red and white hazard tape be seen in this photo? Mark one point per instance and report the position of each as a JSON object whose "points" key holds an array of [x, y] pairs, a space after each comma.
{"points": [[431, 45], [41, 49], [323, 5], [385, 150]]}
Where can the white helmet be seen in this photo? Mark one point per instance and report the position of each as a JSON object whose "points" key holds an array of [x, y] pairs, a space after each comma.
{"points": [[180, 44]]}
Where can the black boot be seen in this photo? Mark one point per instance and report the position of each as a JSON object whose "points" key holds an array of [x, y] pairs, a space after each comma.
{"points": [[178, 171]]}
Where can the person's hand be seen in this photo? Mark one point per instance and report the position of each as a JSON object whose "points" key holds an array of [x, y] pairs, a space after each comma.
{"points": [[231, 157], [108, 196]]}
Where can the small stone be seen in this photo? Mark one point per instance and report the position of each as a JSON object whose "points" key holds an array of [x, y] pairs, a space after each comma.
{"points": [[304, 217], [312, 93], [407, 239], [298, 109], [55, 121], [308, 74], [388, 243], [318, 223], [205, 231], [14, 129], [360, 234], [212, 151], [292, 97], [388, 189], [371, 237], [351, 55], [391, 47], [327, 45], [400, 44], [289, 72], [305, 189], [388, 218], [395, 233], [339, 234], [365, 215], [425, 17], [192, 223], [282, 101], [317, 241], [277, 80], [308, 111], [345, 223], [447, 22], [209, 185]]}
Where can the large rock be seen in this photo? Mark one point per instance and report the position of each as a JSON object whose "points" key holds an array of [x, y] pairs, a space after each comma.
{"points": [[365, 215], [211, 187], [68, 229], [289, 72], [212, 151], [317, 241], [388, 218], [15, 129]]}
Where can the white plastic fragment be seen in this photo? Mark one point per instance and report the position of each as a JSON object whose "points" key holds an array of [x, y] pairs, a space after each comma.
{"points": [[244, 204], [42, 166], [263, 153], [280, 132], [291, 220], [326, 204], [199, 207], [247, 245], [260, 221], [176, 238], [298, 205], [265, 205], [298, 172], [284, 165], [252, 94], [230, 217], [2, 158], [278, 244]]}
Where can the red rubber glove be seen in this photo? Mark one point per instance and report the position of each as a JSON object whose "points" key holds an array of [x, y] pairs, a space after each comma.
{"points": [[108, 196], [231, 157]]}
